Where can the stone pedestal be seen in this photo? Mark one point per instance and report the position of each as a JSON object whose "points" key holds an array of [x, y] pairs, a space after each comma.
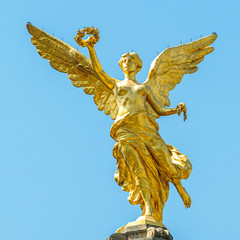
{"points": [[142, 232]]}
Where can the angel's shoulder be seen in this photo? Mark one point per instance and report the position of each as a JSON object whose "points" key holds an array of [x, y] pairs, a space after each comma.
{"points": [[119, 83]]}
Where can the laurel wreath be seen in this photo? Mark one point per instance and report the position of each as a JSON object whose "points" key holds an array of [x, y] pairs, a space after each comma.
{"points": [[91, 40]]}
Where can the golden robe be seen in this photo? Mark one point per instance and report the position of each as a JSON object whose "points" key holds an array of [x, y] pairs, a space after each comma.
{"points": [[142, 157]]}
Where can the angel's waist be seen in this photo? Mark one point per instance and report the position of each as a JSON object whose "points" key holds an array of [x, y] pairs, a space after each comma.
{"points": [[136, 121]]}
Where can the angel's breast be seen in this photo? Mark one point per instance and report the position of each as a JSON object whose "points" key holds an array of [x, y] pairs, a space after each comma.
{"points": [[123, 90], [141, 89], [137, 90]]}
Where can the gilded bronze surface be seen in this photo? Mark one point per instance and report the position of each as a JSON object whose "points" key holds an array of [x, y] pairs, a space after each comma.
{"points": [[145, 163]]}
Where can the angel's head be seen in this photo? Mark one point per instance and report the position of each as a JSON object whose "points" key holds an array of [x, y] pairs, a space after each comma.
{"points": [[130, 62]]}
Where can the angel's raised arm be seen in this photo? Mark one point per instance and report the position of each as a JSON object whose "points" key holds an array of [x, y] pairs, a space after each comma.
{"points": [[89, 43], [107, 80]]}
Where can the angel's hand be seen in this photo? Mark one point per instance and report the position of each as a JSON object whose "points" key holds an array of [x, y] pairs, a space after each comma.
{"points": [[91, 41], [181, 107]]}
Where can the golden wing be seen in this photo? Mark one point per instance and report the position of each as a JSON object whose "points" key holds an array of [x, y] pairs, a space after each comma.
{"points": [[168, 68], [67, 59]]}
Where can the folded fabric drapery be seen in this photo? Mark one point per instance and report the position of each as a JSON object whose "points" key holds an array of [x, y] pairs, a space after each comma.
{"points": [[144, 159]]}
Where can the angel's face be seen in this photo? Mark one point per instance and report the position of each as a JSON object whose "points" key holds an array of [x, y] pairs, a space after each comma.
{"points": [[129, 64]]}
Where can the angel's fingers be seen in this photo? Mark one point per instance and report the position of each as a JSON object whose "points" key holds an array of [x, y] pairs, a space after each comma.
{"points": [[185, 116]]}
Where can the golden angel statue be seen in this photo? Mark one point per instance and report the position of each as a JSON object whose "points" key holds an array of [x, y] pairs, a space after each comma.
{"points": [[145, 163]]}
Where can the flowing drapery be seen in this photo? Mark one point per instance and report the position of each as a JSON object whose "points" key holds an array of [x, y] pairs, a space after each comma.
{"points": [[142, 160]]}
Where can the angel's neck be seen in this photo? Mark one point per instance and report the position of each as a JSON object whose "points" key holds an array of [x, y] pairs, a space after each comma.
{"points": [[130, 76]]}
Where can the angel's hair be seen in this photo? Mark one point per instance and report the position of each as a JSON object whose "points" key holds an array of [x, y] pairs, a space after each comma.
{"points": [[135, 57]]}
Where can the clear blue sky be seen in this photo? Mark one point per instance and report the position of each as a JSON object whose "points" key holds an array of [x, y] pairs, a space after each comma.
{"points": [[56, 164]]}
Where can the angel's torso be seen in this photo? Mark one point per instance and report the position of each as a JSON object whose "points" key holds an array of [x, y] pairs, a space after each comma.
{"points": [[130, 96]]}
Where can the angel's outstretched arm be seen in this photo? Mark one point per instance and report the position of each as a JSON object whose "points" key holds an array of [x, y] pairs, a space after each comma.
{"points": [[163, 111], [108, 81], [157, 106]]}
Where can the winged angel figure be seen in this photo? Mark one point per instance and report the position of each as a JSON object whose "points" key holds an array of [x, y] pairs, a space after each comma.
{"points": [[145, 163]]}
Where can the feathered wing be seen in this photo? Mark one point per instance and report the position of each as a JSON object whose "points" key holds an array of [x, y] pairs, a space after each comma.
{"points": [[168, 68], [67, 59]]}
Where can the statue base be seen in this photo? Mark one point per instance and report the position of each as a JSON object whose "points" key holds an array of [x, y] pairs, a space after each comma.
{"points": [[144, 228]]}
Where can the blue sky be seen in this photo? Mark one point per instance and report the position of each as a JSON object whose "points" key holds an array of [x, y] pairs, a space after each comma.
{"points": [[56, 168]]}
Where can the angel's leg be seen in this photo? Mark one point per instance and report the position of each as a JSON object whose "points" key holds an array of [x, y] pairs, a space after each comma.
{"points": [[168, 168], [133, 160], [148, 205], [183, 193], [162, 157]]}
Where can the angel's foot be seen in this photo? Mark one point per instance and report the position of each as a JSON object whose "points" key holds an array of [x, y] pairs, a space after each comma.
{"points": [[186, 199]]}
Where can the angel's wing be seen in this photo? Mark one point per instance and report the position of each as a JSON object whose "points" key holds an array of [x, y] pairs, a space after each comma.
{"points": [[168, 68], [66, 59]]}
